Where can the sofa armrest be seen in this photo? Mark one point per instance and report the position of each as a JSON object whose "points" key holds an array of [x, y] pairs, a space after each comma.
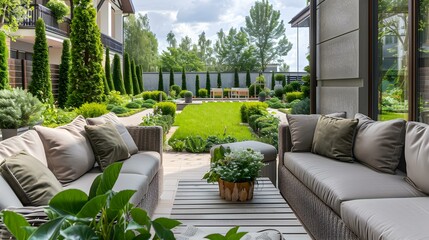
{"points": [[285, 142], [147, 138]]}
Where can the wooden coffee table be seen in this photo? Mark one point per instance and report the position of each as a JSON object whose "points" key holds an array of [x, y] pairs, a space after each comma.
{"points": [[198, 203]]}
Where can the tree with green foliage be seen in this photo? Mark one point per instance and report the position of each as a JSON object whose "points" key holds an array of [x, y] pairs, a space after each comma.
{"points": [[41, 85], [236, 78], [12, 13], [208, 86], [205, 50], [219, 80], [177, 58], [86, 74], [4, 58], [267, 33], [273, 81], [160, 80], [107, 71], [197, 84], [106, 86], [183, 79], [139, 73], [117, 74], [171, 78], [248, 80], [63, 81], [305, 87], [128, 81], [171, 40], [136, 86]]}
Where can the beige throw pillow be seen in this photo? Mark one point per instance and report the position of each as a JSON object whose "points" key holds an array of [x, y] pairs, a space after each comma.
{"points": [[333, 138], [33, 183], [68, 149]]}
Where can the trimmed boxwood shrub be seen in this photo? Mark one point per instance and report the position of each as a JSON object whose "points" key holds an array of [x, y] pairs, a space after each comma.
{"points": [[139, 101], [165, 108], [90, 110], [278, 92], [252, 108], [154, 95], [293, 95], [147, 105], [110, 106], [176, 88], [133, 105], [151, 101], [119, 109], [182, 93], [296, 86], [302, 107], [202, 93]]}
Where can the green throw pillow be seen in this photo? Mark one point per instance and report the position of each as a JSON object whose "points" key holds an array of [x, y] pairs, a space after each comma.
{"points": [[107, 144], [33, 183], [333, 138]]}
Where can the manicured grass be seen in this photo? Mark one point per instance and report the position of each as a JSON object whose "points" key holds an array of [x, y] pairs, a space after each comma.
{"points": [[392, 115], [212, 119]]}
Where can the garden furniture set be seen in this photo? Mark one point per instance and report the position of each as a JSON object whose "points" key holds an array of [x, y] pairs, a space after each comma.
{"points": [[232, 93]]}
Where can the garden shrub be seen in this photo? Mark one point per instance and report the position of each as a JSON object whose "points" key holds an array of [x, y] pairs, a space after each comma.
{"points": [[133, 105], [4, 59], [165, 108], [139, 73], [290, 105], [288, 88], [136, 86], [276, 105], [202, 93], [188, 94], [268, 130], [59, 9], [248, 80], [54, 117], [119, 109], [151, 101], [197, 85], [215, 140], [226, 92], [90, 110], [252, 90], [252, 108], [63, 78], [208, 84], [128, 81], [116, 98], [302, 107], [109, 106], [280, 77], [195, 144], [182, 93], [177, 145], [176, 88], [117, 74], [154, 95], [229, 139], [278, 92], [107, 71], [252, 120], [293, 95], [139, 101], [296, 86], [147, 105], [165, 121], [183, 79]]}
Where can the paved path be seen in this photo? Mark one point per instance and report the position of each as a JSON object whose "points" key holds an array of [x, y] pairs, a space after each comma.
{"points": [[135, 119]]}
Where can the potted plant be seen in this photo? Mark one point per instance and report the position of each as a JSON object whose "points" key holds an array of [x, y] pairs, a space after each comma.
{"points": [[235, 171], [188, 96], [19, 110], [262, 96], [59, 9]]}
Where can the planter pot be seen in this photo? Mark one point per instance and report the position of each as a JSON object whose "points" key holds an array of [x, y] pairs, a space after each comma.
{"points": [[262, 99], [188, 99], [8, 133], [231, 191]]}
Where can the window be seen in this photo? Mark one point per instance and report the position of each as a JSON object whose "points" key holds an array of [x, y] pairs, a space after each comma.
{"points": [[423, 63]]}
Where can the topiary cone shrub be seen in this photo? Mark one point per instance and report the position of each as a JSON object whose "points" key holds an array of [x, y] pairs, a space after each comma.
{"points": [[4, 68], [127, 75], [63, 81], [117, 75]]}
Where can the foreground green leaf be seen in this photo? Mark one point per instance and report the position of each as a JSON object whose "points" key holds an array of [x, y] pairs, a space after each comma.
{"points": [[15, 223], [48, 231], [109, 177], [79, 232], [93, 207], [69, 201]]}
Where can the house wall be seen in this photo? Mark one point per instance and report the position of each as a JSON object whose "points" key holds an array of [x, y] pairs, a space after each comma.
{"points": [[342, 55], [109, 20]]}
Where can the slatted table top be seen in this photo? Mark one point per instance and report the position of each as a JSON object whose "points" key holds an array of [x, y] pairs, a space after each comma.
{"points": [[198, 203]]}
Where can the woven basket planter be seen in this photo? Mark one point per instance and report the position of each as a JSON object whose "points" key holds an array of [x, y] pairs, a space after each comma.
{"points": [[231, 191]]}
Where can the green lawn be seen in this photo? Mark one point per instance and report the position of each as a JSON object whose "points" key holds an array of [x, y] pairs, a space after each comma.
{"points": [[212, 119], [392, 115]]}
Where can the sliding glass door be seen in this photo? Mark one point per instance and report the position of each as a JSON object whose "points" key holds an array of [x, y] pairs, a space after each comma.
{"points": [[423, 62]]}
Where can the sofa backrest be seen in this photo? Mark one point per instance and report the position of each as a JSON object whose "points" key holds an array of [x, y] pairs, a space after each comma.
{"points": [[28, 141]]}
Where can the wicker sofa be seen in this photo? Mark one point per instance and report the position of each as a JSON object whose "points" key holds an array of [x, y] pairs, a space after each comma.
{"points": [[342, 200], [142, 171]]}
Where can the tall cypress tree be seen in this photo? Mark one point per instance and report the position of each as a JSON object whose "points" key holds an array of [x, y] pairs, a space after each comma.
{"points": [[219, 80], [127, 75], [236, 79], [183, 79], [117, 75], [41, 85], [86, 74], [161, 80], [208, 86], [197, 85], [4, 67], [273, 81], [248, 80], [140, 77], [106, 85], [171, 77], [107, 71], [64, 74], [136, 86]]}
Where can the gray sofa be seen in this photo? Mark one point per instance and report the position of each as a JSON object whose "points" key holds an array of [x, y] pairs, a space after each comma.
{"points": [[142, 172], [343, 200]]}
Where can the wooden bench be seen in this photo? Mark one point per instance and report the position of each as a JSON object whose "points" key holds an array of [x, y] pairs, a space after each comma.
{"points": [[214, 92], [239, 92]]}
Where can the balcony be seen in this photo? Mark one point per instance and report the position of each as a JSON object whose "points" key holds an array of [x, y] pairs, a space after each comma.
{"points": [[39, 11], [111, 43]]}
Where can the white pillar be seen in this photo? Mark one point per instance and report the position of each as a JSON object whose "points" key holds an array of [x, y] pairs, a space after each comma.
{"points": [[105, 18]]}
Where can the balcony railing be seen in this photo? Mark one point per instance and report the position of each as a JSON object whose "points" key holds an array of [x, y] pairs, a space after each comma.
{"points": [[111, 43], [39, 11]]}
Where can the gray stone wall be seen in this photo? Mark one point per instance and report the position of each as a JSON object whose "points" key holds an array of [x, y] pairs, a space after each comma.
{"points": [[150, 80], [342, 56]]}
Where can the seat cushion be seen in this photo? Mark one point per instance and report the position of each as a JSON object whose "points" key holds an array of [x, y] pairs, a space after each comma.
{"points": [[11, 200], [269, 151], [393, 219], [144, 163], [28, 141], [335, 182]]}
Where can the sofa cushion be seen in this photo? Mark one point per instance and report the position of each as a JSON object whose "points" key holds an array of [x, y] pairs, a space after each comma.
{"points": [[416, 154], [68, 149], [11, 200], [379, 144], [335, 182], [107, 144], [144, 163], [393, 219], [28, 141], [32, 182], [126, 136], [333, 138], [302, 129], [126, 181]]}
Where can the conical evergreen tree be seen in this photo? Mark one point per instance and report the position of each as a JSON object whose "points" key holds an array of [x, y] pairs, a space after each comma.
{"points": [[160, 80], [197, 85], [106, 85], [4, 67], [117, 75], [171, 78], [219, 80], [41, 85], [140, 77], [248, 80], [107, 71], [183, 79], [63, 81], [86, 74], [127, 75], [136, 86], [273, 81], [208, 86], [236, 79]]}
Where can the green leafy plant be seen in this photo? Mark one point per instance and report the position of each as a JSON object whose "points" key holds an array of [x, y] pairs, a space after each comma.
{"points": [[236, 78], [165, 108], [176, 88], [59, 8], [234, 165], [165, 121], [103, 214], [147, 105], [177, 145], [296, 86], [90, 110], [278, 92], [133, 105], [232, 234], [54, 117], [188, 94], [151, 101], [248, 80], [294, 95], [19, 108], [182, 93], [116, 98], [119, 110], [154, 95], [195, 144], [302, 107], [251, 108], [202, 93]]}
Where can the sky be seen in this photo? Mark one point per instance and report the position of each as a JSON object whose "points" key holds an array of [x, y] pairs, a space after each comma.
{"points": [[191, 17]]}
